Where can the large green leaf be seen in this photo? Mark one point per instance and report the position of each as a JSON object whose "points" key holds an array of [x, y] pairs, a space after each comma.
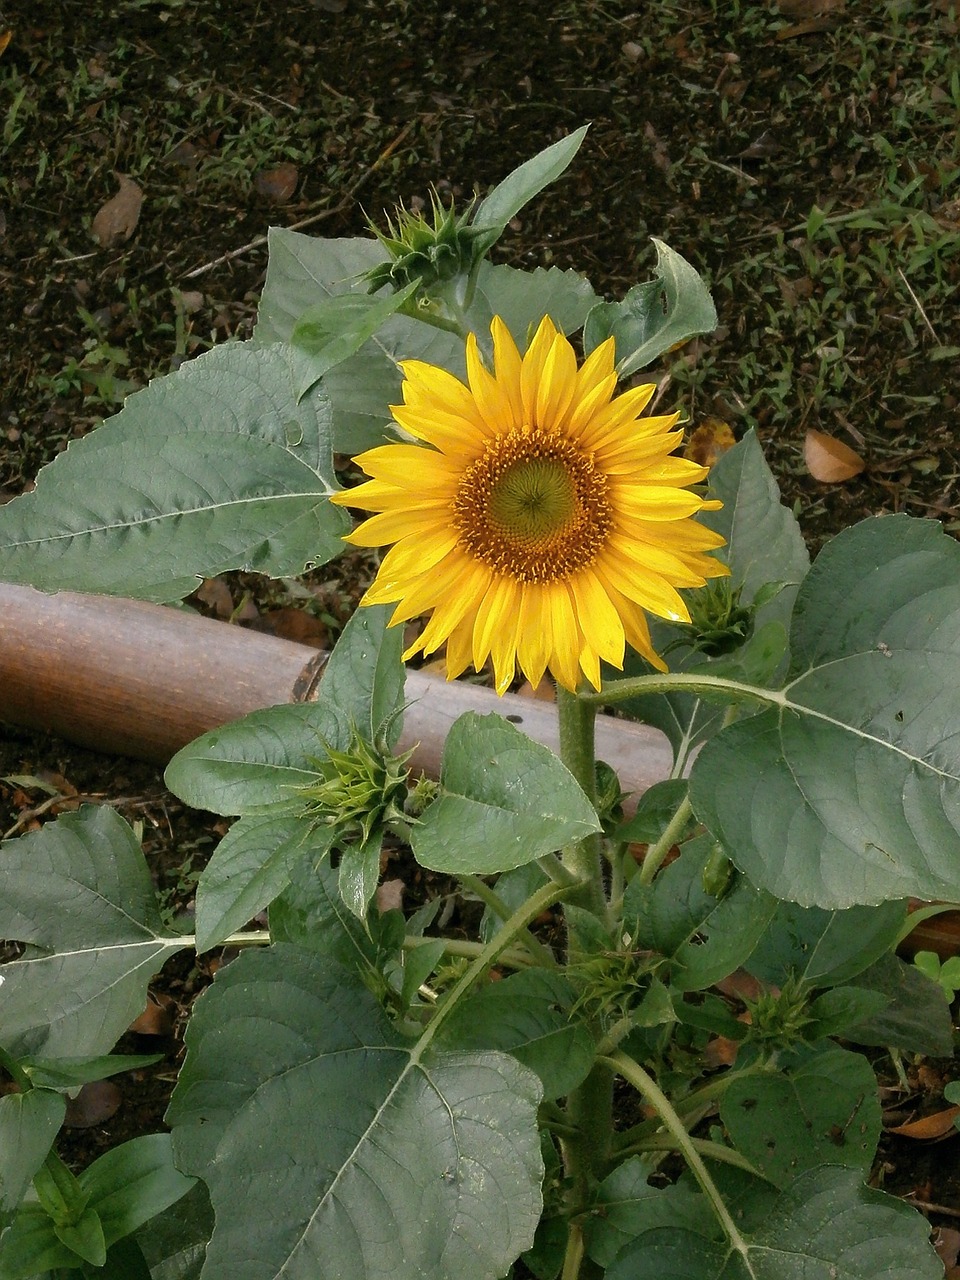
{"points": [[331, 1148], [826, 1226], [80, 893], [825, 948], [504, 800], [302, 272], [311, 913], [528, 1015], [29, 1122], [519, 187], [655, 315], [215, 467], [848, 790], [820, 1108], [258, 761]]}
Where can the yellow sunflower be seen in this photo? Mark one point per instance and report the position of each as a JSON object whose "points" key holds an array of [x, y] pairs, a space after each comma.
{"points": [[541, 520]]}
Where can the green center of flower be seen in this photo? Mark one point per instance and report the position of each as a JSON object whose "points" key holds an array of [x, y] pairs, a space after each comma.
{"points": [[533, 507]]}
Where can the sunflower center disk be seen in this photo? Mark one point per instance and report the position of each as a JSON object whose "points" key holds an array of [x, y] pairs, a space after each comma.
{"points": [[533, 507]]}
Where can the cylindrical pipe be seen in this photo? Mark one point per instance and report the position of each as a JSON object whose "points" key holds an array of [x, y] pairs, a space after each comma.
{"points": [[143, 680]]}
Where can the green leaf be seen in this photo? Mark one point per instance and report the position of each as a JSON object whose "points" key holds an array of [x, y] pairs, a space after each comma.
{"points": [[820, 1108], [212, 468], [311, 913], [250, 867], [174, 1242], [68, 1073], [854, 777], [655, 315], [527, 1015], [259, 761], [519, 187], [504, 801], [627, 1206], [654, 810], [838, 1011], [84, 1238], [825, 948], [80, 892], [30, 1248], [301, 272], [29, 1122], [825, 1226], [322, 1136], [917, 1014], [364, 674], [331, 331], [359, 872], [522, 298], [705, 937], [764, 542], [130, 1184]]}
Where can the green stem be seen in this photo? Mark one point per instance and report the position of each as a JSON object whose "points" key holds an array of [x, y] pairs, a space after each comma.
{"points": [[576, 724], [515, 959], [574, 1254], [679, 682], [634, 1074], [715, 1151], [673, 831], [494, 949], [689, 1107], [15, 1071], [541, 955]]}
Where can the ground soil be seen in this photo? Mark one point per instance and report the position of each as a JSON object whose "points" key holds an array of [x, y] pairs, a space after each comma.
{"points": [[371, 101]]}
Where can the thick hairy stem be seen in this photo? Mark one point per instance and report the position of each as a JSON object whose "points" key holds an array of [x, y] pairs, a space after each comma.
{"points": [[582, 858]]}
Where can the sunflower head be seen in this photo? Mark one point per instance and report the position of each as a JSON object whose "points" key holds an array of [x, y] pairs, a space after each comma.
{"points": [[539, 518], [428, 250]]}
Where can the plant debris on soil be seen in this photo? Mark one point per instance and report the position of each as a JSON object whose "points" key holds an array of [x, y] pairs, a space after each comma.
{"points": [[802, 155]]}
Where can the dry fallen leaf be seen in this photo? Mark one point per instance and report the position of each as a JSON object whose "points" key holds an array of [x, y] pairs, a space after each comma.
{"points": [[278, 184], [712, 438], [96, 1102], [939, 1125], [117, 220], [946, 1241], [830, 460]]}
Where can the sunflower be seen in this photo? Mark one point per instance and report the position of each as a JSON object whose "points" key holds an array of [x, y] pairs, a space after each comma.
{"points": [[542, 519]]}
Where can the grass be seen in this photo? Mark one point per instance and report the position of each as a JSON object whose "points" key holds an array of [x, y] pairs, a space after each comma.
{"points": [[812, 175]]}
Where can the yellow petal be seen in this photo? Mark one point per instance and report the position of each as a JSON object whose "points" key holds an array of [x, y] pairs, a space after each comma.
{"points": [[532, 369], [558, 383]]}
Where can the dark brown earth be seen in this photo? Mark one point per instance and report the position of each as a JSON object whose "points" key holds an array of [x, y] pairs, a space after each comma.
{"points": [[721, 129]]}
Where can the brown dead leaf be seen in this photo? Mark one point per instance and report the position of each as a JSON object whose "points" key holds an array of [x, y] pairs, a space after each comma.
{"points": [[297, 625], [5, 37], [712, 438], [721, 1052], [215, 594], [830, 460], [157, 1018], [946, 1241], [117, 220], [95, 1102], [938, 1125], [278, 184], [390, 896]]}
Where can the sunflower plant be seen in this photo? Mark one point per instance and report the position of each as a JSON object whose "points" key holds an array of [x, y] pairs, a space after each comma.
{"points": [[639, 1053]]}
